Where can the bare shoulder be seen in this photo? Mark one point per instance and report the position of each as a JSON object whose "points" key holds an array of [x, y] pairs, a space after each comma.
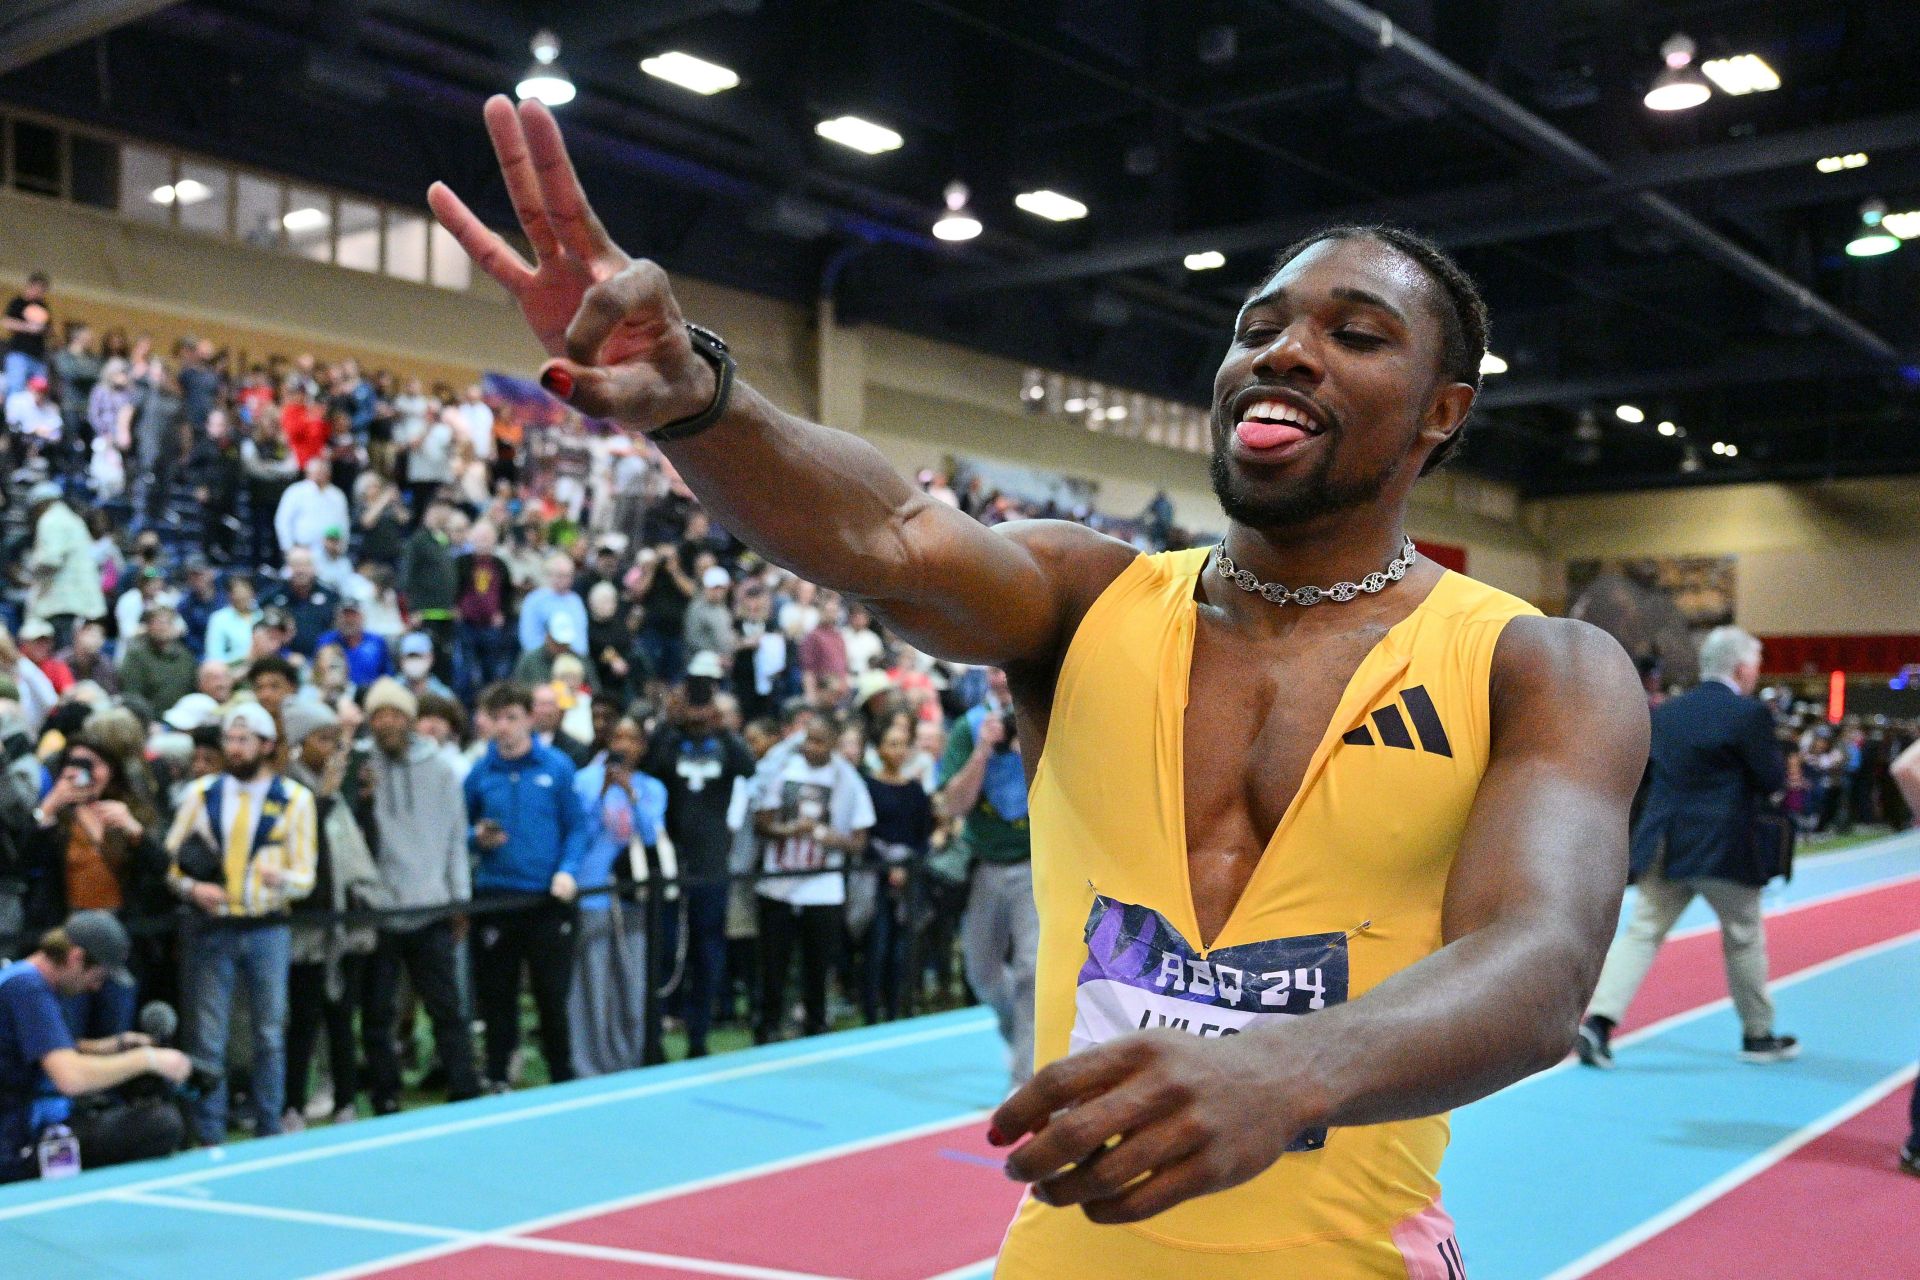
{"points": [[1563, 680], [1073, 547]]}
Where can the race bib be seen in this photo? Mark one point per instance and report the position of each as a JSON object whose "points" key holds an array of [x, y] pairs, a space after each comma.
{"points": [[1141, 974]]}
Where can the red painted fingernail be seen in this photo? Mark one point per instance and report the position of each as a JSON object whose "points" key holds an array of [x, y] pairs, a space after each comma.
{"points": [[558, 381], [997, 1138]]}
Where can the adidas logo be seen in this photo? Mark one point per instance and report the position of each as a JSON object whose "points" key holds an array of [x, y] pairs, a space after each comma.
{"points": [[1392, 727]]}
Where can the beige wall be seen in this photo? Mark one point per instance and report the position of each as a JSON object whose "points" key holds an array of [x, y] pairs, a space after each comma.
{"points": [[1815, 559]]}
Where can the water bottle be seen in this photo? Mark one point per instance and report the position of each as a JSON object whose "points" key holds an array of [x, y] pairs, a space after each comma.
{"points": [[59, 1153]]}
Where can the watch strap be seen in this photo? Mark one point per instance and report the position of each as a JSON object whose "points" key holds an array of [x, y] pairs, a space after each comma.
{"points": [[713, 349]]}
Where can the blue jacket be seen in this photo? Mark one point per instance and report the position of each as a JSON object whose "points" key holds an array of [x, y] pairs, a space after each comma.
{"points": [[534, 799], [601, 804], [1714, 761]]}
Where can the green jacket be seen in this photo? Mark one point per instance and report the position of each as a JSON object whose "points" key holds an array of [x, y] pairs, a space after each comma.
{"points": [[161, 676]]}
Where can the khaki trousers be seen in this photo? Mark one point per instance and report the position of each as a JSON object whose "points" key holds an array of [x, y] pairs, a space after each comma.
{"points": [[1743, 940]]}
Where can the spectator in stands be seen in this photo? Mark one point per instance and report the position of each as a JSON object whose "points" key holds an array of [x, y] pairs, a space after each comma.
{"points": [[382, 523], [242, 850], [701, 763], [43, 1068], [303, 423], [984, 784], [216, 470], [308, 603], [607, 1003], [813, 814], [309, 508], [416, 667], [417, 810], [199, 602], [215, 679], [535, 666], [36, 644], [273, 681], [428, 450], [76, 371], [34, 414], [709, 622], [271, 468], [88, 659], [760, 654], [200, 383], [549, 729], [554, 598], [428, 582], [614, 644], [326, 977], [367, 656], [66, 582], [158, 666], [154, 421], [93, 844], [483, 597], [230, 627], [529, 836], [823, 658], [865, 649], [664, 580], [27, 321], [903, 825]]}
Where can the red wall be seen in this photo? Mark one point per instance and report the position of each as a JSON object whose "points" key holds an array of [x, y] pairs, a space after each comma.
{"points": [[1447, 557], [1861, 655]]}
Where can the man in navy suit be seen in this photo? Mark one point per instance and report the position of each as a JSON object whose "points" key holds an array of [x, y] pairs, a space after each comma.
{"points": [[1715, 762]]}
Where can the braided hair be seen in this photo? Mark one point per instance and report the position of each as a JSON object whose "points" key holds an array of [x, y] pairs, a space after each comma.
{"points": [[1463, 320]]}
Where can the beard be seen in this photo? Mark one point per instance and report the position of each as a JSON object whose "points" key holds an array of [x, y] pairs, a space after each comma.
{"points": [[1293, 501], [246, 770]]}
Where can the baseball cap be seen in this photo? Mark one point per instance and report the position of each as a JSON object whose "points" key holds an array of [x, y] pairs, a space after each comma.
{"points": [[36, 629], [45, 491], [253, 716], [716, 577], [334, 531], [105, 940], [38, 382], [415, 643], [705, 665], [561, 629], [192, 711]]}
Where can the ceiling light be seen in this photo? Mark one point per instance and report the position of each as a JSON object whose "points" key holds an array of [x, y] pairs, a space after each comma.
{"points": [[1491, 363], [545, 82], [162, 195], [185, 191], [1678, 86], [307, 219], [1719, 446], [1690, 461], [1074, 405], [958, 222], [1116, 413], [1744, 73], [1872, 239], [861, 135], [1906, 225], [1667, 429], [1733, 451], [696, 75], [1630, 413], [1207, 261], [1050, 205], [1834, 164], [1036, 392]]}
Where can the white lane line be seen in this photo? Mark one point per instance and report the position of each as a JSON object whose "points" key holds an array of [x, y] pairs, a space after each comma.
{"points": [[972, 1271], [639, 1257], [1733, 1178], [1726, 1002], [493, 1119], [509, 1234]]}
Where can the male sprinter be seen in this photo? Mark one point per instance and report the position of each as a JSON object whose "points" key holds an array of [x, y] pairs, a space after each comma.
{"points": [[1383, 839]]}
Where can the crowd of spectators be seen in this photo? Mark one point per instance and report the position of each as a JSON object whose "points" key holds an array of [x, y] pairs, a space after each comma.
{"points": [[346, 709]]}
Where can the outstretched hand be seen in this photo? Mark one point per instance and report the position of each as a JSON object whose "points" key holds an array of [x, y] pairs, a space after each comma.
{"points": [[611, 323], [1133, 1127]]}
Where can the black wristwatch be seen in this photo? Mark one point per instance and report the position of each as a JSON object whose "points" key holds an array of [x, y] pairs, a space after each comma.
{"points": [[713, 349]]}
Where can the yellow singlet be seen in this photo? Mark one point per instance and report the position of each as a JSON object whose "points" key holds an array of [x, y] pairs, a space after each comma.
{"points": [[1347, 893]]}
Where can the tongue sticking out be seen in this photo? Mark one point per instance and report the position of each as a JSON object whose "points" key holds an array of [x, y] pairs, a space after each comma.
{"points": [[1267, 435]]}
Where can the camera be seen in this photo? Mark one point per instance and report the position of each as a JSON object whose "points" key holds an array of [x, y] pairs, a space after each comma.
{"points": [[83, 777]]}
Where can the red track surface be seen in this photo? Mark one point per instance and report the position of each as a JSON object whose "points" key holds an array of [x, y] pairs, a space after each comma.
{"points": [[1836, 1207], [1689, 972]]}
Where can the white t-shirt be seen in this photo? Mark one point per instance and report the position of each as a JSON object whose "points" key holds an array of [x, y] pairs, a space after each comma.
{"points": [[833, 796], [478, 421], [864, 649]]}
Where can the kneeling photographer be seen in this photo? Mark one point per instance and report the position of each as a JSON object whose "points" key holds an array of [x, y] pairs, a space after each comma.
{"points": [[55, 1113]]}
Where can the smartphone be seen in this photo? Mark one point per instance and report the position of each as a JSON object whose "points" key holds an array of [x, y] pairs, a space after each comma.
{"points": [[83, 777]]}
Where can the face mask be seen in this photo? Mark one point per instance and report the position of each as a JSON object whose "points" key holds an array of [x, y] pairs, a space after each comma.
{"points": [[416, 666]]}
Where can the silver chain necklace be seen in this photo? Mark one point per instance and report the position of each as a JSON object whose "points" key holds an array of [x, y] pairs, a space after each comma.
{"points": [[1339, 592]]}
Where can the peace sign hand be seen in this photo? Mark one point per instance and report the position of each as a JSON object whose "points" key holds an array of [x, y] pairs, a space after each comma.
{"points": [[611, 321]]}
